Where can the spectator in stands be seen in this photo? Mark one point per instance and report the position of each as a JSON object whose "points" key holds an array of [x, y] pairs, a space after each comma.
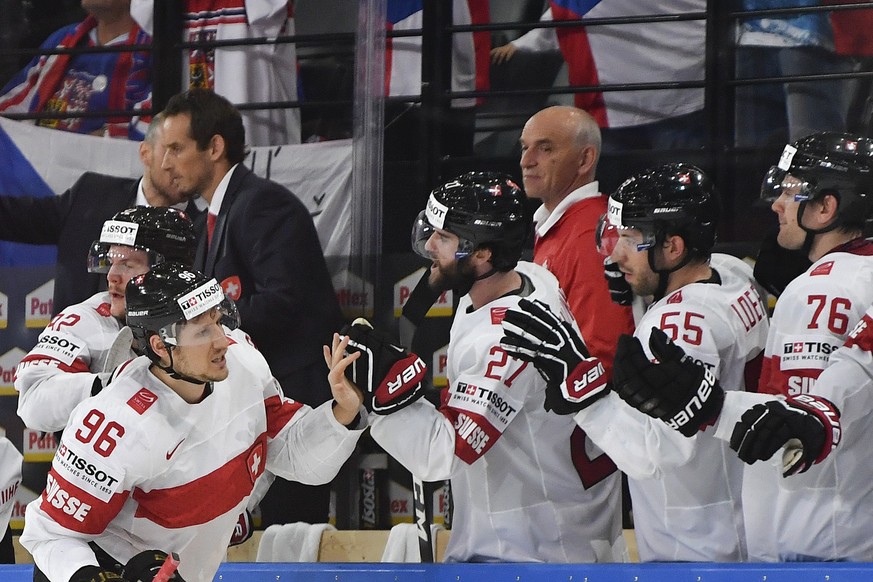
{"points": [[630, 53], [248, 73], [788, 45], [88, 82], [852, 38], [261, 245], [560, 148], [73, 219]]}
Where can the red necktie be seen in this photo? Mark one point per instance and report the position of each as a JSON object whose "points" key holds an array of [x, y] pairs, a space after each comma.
{"points": [[210, 226]]}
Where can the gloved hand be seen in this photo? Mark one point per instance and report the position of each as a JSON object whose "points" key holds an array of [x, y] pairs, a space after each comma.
{"points": [[389, 376], [619, 289], [808, 426], [574, 379], [243, 529], [681, 392], [95, 574], [145, 566]]}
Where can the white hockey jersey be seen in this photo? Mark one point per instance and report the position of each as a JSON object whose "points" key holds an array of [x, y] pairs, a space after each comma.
{"points": [[827, 512], [57, 374], [814, 315], [139, 468], [245, 73], [527, 485], [686, 493]]}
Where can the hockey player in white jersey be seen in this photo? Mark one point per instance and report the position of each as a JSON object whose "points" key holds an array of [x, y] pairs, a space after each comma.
{"points": [[166, 459], [527, 485], [67, 364], [686, 494], [824, 183]]}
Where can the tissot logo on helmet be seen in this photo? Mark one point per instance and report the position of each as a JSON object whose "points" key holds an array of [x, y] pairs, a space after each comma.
{"points": [[119, 233], [201, 299]]}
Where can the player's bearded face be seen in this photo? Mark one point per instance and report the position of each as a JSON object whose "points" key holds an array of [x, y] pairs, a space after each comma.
{"points": [[201, 348], [634, 262], [448, 272], [454, 275]]}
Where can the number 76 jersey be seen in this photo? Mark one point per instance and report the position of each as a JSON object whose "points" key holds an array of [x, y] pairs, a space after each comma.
{"points": [[814, 316]]}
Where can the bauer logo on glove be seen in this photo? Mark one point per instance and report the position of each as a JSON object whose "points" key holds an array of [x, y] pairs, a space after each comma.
{"points": [[388, 374]]}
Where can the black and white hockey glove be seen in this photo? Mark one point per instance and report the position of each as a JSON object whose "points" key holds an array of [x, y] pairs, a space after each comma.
{"points": [[145, 566], [807, 426], [389, 376], [573, 378], [619, 289], [676, 389]]}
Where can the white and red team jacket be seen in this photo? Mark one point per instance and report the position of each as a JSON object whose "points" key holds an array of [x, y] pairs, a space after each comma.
{"points": [[245, 73], [526, 484], [686, 492], [139, 468], [825, 513], [58, 373]]}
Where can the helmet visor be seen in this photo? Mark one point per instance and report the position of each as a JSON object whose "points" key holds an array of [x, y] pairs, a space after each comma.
{"points": [[778, 182], [204, 328], [437, 244], [102, 256], [606, 236]]}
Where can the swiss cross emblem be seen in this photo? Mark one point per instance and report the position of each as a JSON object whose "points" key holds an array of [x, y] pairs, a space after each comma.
{"points": [[255, 461], [851, 145], [232, 287], [684, 178]]}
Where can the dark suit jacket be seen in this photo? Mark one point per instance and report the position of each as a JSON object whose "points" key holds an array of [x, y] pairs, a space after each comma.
{"points": [[266, 254], [72, 221]]}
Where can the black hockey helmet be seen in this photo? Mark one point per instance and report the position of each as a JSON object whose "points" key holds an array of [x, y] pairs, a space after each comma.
{"points": [[839, 164], [481, 209], [165, 234], [671, 199], [162, 300]]}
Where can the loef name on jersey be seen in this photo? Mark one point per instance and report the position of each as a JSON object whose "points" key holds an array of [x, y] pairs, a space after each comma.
{"points": [[748, 308], [61, 499]]}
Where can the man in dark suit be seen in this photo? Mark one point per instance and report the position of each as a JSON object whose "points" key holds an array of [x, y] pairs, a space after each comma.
{"points": [[262, 246], [73, 220]]}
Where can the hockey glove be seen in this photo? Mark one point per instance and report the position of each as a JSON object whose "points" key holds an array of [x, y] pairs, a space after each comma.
{"points": [[619, 289], [144, 567], [95, 574], [681, 392], [808, 426], [243, 529], [389, 376], [573, 378]]}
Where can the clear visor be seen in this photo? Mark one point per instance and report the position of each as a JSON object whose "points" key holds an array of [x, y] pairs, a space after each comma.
{"points": [[437, 244], [778, 183], [102, 256], [204, 329], [606, 236]]}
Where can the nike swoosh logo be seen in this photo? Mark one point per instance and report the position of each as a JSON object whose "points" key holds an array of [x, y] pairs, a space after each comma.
{"points": [[173, 452]]}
